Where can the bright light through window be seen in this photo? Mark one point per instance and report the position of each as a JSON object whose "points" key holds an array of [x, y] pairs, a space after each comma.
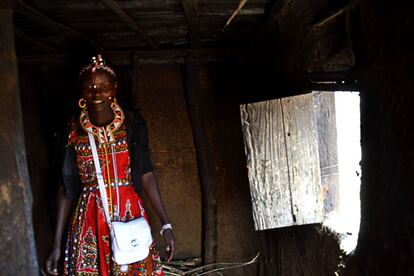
{"points": [[346, 219]]}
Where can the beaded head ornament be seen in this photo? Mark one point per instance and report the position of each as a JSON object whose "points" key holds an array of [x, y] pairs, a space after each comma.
{"points": [[97, 63]]}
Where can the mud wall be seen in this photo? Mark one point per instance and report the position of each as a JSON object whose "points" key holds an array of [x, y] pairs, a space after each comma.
{"points": [[49, 96], [160, 96]]}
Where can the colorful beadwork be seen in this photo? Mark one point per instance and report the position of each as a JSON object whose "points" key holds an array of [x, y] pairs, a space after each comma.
{"points": [[88, 249], [104, 134], [97, 63]]}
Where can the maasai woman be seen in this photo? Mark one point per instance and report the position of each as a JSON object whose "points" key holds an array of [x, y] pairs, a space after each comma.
{"points": [[121, 139]]}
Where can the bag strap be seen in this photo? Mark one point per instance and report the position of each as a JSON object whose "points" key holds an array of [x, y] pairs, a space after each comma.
{"points": [[99, 176], [115, 165]]}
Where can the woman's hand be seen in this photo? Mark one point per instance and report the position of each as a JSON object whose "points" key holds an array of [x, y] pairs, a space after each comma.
{"points": [[151, 188], [169, 244], [64, 204], [52, 262]]}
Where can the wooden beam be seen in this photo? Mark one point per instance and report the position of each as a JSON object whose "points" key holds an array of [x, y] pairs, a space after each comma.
{"points": [[324, 77], [114, 6], [205, 162], [172, 56], [329, 81], [190, 8], [277, 10], [331, 87], [31, 41], [334, 14], [233, 15], [42, 19]]}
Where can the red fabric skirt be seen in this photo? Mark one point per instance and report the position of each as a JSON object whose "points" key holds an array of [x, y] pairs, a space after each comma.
{"points": [[88, 250]]}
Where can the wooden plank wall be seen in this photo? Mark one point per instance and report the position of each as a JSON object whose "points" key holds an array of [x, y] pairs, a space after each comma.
{"points": [[303, 159]]}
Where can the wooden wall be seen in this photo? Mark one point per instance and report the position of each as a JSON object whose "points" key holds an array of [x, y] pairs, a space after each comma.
{"points": [[384, 55], [374, 43], [16, 229]]}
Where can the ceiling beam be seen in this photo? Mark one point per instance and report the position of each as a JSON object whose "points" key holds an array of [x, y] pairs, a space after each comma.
{"points": [[277, 10], [173, 56], [335, 13], [31, 41], [121, 58], [114, 6], [190, 8], [233, 15], [43, 20]]}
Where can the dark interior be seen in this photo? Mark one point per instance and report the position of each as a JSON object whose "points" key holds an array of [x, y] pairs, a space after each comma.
{"points": [[188, 72]]}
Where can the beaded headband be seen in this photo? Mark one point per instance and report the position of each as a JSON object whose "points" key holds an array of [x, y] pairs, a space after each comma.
{"points": [[97, 63]]}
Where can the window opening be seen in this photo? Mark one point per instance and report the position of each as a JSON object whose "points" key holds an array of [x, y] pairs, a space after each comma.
{"points": [[303, 155], [345, 220]]}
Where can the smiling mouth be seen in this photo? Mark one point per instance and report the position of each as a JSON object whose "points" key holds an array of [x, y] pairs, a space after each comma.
{"points": [[97, 101]]}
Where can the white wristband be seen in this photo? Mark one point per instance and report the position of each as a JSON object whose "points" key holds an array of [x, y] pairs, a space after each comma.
{"points": [[165, 227]]}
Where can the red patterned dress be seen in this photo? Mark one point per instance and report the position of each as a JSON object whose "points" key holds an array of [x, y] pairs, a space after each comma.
{"points": [[88, 249]]}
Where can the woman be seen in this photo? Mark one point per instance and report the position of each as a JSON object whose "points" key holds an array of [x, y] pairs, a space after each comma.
{"points": [[121, 139]]}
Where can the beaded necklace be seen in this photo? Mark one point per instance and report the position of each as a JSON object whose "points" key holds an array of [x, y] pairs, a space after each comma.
{"points": [[105, 135]]}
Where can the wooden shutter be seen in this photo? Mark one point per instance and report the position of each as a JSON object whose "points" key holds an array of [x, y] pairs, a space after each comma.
{"points": [[281, 145]]}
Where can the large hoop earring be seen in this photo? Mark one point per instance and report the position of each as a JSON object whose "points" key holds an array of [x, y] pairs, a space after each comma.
{"points": [[82, 103]]}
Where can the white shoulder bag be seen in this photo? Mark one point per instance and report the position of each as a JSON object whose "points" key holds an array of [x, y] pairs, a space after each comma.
{"points": [[130, 240]]}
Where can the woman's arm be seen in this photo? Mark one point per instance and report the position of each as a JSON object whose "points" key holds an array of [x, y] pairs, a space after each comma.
{"points": [[64, 204], [151, 188]]}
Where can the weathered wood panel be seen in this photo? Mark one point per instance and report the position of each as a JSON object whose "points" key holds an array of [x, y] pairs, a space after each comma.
{"points": [[327, 146], [303, 159], [281, 145], [264, 138], [18, 255]]}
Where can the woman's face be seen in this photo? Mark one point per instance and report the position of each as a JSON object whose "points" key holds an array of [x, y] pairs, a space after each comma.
{"points": [[98, 89]]}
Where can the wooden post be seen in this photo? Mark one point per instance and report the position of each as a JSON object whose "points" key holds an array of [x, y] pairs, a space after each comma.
{"points": [[18, 253], [204, 162]]}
